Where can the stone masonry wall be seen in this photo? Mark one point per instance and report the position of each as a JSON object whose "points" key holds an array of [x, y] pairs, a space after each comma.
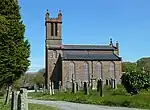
{"points": [[79, 70]]}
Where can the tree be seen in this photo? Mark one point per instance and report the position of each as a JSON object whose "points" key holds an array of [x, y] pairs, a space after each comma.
{"points": [[39, 78], [134, 81], [144, 63], [14, 49], [129, 66]]}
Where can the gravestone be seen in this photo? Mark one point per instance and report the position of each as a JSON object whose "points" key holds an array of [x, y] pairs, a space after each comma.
{"points": [[101, 88], [74, 87], [52, 85], [77, 86], [107, 82], [14, 100], [42, 88], [98, 85], [115, 84], [8, 95], [35, 88], [112, 83], [50, 89], [93, 83], [22, 100], [60, 87], [82, 85], [86, 88]]}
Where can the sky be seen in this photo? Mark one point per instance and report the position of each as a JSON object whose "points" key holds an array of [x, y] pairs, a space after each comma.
{"points": [[90, 22]]}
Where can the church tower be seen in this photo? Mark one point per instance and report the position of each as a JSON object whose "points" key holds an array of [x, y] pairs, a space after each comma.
{"points": [[53, 30], [52, 43]]}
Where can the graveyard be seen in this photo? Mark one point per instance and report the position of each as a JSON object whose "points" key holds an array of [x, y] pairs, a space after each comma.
{"points": [[91, 75], [107, 96]]}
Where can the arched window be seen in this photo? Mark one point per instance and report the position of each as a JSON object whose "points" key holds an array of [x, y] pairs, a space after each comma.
{"points": [[54, 54], [112, 70], [71, 73], [99, 70], [86, 71]]}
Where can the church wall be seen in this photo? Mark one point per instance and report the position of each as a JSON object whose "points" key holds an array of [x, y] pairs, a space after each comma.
{"points": [[80, 70], [54, 66]]}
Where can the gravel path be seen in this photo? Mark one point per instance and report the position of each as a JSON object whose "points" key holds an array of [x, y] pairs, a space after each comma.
{"points": [[62, 105]]}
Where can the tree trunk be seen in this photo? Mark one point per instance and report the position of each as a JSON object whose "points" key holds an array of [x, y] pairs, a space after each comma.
{"points": [[7, 95]]}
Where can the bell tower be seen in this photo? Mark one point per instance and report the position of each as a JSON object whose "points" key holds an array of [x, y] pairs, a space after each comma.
{"points": [[53, 43], [53, 30]]}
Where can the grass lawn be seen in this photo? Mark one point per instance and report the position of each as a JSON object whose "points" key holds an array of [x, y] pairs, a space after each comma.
{"points": [[31, 106], [118, 97]]}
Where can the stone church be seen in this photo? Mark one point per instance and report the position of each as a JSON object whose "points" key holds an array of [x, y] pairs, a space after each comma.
{"points": [[79, 63]]}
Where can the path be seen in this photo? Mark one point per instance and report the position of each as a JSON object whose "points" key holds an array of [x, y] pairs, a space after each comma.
{"points": [[62, 105]]}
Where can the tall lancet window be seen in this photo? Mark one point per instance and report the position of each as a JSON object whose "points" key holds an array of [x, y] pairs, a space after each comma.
{"points": [[54, 54], [112, 70], [71, 73], [86, 71], [99, 70]]}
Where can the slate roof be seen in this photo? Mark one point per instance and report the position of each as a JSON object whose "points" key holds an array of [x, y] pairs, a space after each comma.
{"points": [[88, 47], [72, 55]]}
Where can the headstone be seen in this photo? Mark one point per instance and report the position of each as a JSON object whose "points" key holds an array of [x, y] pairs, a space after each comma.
{"points": [[8, 95], [112, 83], [74, 87], [101, 88], [82, 85], [22, 100], [86, 88], [98, 85], [52, 88], [35, 88], [93, 83], [42, 88], [107, 82], [115, 84], [60, 86], [77, 86], [14, 100]]}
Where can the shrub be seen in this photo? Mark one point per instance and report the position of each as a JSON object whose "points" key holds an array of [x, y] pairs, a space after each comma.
{"points": [[135, 81]]}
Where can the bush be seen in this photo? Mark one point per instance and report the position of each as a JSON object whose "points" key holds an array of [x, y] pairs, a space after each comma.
{"points": [[134, 82]]}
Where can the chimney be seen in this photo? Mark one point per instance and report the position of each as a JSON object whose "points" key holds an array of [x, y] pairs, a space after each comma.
{"points": [[117, 46], [111, 43]]}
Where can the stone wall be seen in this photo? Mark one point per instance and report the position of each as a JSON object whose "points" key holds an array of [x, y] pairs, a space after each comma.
{"points": [[79, 70]]}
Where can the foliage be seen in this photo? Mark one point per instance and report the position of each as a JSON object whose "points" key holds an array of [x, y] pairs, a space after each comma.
{"points": [[19, 83], [29, 79], [118, 97], [128, 66], [135, 81], [14, 49], [39, 78], [144, 63]]}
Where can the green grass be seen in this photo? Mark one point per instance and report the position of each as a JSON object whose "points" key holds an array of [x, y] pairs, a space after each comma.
{"points": [[31, 106], [118, 97]]}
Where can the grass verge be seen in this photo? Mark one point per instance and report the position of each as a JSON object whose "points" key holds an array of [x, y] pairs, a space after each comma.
{"points": [[118, 97], [31, 106]]}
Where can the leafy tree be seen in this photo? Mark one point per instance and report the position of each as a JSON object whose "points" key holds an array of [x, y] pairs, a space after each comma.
{"points": [[39, 78], [144, 63], [129, 66], [14, 49], [134, 81]]}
